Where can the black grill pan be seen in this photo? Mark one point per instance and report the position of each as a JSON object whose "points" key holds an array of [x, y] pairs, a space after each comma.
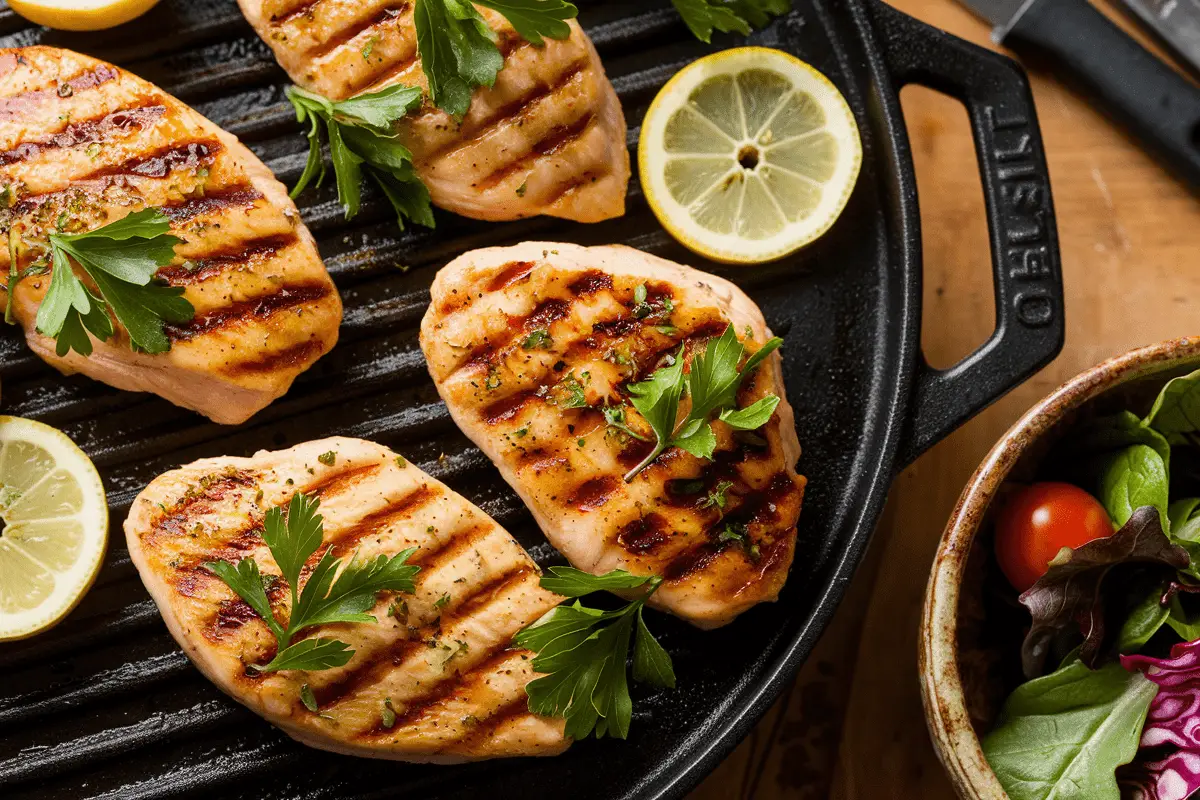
{"points": [[106, 706]]}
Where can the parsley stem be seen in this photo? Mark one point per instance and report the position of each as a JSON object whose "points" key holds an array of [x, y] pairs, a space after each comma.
{"points": [[10, 288], [647, 461]]}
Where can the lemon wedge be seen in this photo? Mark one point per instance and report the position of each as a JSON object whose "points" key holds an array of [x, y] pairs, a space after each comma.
{"points": [[748, 155], [81, 15], [53, 526]]}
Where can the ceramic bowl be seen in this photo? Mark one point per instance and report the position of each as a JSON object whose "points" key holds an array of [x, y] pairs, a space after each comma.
{"points": [[969, 641]]}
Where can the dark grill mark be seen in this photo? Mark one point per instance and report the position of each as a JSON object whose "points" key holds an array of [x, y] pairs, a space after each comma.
{"points": [[301, 10], [591, 282], [213, 202], [331, 485], [454, 546], [246, 256], [540, 461], [546, 314], [179, 518], [384, 518], [594, 493], [392, 13], [643, 535], [564, 188], [85, 132], [519, 107], [380, 80], [698, 335], [288, 358], [558, 139], [189, 155], [258, 308], [508, 408], [511, 273], [486, 594], [695, 560], [21, 105], [483, 730]]}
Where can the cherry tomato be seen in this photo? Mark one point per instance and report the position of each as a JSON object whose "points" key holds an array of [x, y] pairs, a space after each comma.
{"points": [[1040, 520]]}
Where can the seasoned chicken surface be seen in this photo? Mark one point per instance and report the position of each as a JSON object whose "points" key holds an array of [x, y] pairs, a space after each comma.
{"points": [[82, 144], [548, 138], [441, 655], [528, 344]]}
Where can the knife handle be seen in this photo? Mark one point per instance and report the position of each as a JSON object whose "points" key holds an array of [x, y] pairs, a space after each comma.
{"points": [[1153, 101]]}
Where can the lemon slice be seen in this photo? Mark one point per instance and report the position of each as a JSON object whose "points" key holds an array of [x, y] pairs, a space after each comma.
{"points": [[748, 155], [53, 526], [81, 15]]}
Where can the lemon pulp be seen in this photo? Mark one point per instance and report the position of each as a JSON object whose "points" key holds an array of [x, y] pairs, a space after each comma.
{"points": [[53, 526]]}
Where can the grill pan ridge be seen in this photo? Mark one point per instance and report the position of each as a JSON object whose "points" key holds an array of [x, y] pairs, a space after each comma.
{"points": [[106, 706]]}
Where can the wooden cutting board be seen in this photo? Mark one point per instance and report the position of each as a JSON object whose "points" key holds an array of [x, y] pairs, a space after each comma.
{"points": [[851, 726]]}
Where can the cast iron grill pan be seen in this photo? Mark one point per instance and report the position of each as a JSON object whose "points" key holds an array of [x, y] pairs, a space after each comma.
{"points": [[107, 706]]}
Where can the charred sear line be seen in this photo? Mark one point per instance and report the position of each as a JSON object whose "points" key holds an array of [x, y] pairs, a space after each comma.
{"points": [[381, 520], [484, 595], [521, 107], [245, 256], [696, 336], [510, 274], [509, 408], [591, 282], [644, 535], [208, 490], [558, 139], [419, 707], [393, 13], [378, 665], [484, 729], [377, 81], [564, 188], [545, 315], [455, 546], [334, 483], [256, 309], [213, 202], [23, 104], [594, 493], [233, 614], [288, 358], [160, 164], [89, 131], [304, 8]]}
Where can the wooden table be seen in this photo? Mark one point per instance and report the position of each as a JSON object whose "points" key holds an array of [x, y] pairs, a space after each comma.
{"points": [[851, 726]]}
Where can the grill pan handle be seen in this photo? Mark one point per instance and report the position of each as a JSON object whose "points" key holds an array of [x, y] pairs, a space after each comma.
{"points": [[1020, 213]]}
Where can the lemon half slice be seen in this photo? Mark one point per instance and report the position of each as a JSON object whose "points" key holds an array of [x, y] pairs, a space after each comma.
{"points": [[748, 155], [53, 526], [81, 15]]}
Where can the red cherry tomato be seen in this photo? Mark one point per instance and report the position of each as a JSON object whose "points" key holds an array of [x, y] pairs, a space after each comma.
{"points": [[1040, 520]]}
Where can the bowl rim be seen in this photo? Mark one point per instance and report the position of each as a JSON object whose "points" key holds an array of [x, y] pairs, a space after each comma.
{"points": [[942, 695]]}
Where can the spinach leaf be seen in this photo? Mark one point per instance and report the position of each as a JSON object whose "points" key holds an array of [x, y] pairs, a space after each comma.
{"points": [[1116, 432], [1063, 736], [1185, 522], [1131, 478], [1071, 593], [1144, 621], [1176, 410]]}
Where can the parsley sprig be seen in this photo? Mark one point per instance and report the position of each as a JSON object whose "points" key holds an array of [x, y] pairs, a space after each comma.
{"points": [[363, 141], [583, 653], [458, 48], [121, 259], [334, 592], [712, 384], [728, 16]]}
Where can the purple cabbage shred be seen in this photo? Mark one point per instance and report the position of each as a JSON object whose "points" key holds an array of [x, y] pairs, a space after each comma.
{"points": [[1167, 766]]}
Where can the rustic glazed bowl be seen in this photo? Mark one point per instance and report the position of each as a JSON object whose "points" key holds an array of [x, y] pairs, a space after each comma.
{"points": [[968, 653]]}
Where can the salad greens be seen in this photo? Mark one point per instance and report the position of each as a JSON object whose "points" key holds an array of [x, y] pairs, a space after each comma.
{"points": [[1120, 616]]}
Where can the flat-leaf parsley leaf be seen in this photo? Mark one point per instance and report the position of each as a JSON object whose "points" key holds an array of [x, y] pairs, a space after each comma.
{"points": [[122, 259], [712, 385], [334, 592], [363, 142], [583, 653], [728, 16]]}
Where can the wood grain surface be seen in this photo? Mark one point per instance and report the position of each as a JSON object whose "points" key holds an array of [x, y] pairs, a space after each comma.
{"points": [[851, 726]]}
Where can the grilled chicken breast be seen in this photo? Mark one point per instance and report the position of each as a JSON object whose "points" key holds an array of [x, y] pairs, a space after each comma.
{"points": [[442, 657], [528, 344], [548, 138], [82, 144]]}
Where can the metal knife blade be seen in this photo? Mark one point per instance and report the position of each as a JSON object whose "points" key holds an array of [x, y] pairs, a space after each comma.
{"points": [[1001, 13], [1176, 22]]}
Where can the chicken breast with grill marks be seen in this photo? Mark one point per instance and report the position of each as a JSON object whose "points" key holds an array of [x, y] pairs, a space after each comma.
{"points": [[442, 657], [528, 344], [548, 138], [82, 144]]}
